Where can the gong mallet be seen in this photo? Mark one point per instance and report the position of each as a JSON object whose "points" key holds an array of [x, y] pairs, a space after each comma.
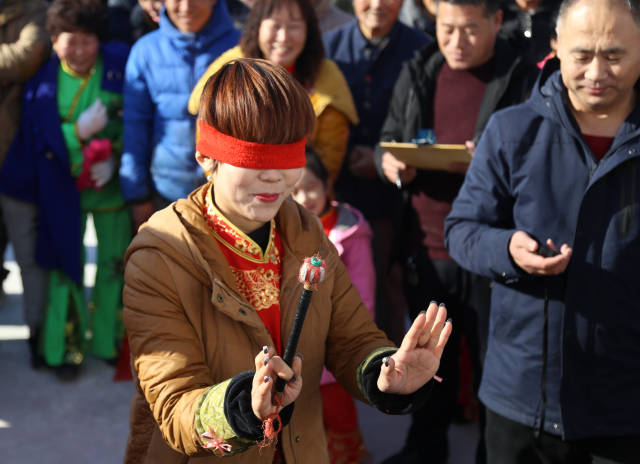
{"points": [[312, 272]]}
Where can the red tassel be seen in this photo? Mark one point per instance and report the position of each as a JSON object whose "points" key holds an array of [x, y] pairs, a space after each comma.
{"points": [[271, 426]]}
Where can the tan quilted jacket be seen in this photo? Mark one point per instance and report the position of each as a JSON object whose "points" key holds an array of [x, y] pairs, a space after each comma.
{"points": [[189, 328]]}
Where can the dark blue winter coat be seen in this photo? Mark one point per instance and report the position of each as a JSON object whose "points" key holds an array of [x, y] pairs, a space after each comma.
{"points": [[37, 168], [371, 73], [533, 171]]}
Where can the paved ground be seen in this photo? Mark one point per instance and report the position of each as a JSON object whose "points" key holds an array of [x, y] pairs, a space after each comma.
{"points": [[45, 421]]}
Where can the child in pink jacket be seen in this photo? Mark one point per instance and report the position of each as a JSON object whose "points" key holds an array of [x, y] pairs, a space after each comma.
{"points": [[349, 231]]}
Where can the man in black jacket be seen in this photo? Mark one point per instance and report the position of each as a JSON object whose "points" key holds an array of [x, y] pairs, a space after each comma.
{"points": [[450, 88], [550, 210]]}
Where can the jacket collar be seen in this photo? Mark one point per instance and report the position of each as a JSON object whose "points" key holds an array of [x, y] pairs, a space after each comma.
{"points": [[219, 24], [44, 95], [181, 233], [359, 42], [549, 98], [350, 222]]}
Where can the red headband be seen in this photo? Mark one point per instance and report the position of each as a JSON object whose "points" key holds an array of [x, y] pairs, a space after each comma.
{"points": [[216, 145]]}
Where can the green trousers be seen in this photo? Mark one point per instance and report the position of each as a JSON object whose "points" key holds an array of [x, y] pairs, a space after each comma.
{"points": [[71, 327]]}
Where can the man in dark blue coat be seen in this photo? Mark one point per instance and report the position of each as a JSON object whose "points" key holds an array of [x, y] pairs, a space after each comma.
{"points": [[550, 209], [370, 53]]}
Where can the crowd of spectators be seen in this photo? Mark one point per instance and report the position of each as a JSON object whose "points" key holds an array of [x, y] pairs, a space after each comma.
{"points": [[531, 243]]}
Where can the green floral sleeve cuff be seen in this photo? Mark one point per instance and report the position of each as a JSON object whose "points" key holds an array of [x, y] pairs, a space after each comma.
{"points": [[225, 421], [376, 354], [212, 427]]}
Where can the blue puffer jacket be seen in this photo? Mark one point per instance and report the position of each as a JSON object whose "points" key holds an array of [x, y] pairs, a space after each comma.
{"points": [[532, 171], [159, 132]]}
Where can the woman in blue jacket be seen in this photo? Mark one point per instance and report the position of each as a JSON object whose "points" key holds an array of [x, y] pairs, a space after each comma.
{"points": [[159, 133]]}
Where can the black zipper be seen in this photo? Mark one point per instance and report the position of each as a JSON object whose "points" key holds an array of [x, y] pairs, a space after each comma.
{"points": [[545, 356]]}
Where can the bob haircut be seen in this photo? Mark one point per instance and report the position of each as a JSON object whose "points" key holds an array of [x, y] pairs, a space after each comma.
{"points": [[309, 61], [257, 101], [89, 16]]}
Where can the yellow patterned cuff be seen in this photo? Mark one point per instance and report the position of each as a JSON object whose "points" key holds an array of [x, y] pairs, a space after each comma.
{"points": [[363, 365], [212, 426]]}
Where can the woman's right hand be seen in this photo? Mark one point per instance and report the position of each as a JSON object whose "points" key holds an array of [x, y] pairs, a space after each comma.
{"points": [[269, 366]]}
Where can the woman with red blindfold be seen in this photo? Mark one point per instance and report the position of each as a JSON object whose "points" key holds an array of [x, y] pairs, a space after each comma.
{"points": [[211, 288]]}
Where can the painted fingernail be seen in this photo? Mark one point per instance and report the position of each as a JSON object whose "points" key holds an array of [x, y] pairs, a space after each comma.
{"points": [[301, 356], [266, 360], [450, 321], [433, 302], [422, 312], [267, 379], [442, 305], [385, 361], [265, 349]]}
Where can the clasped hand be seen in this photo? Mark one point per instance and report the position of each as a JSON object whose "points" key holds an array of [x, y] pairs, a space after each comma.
{"points": [[269, 367], [397, 171], [522, 248]]}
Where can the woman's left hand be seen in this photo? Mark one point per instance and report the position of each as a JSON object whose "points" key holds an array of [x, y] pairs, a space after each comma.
{"points": [[418, 358]]}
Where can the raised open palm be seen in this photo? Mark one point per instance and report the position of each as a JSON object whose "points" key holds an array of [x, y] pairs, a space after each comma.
{"points": [[418, 358]]}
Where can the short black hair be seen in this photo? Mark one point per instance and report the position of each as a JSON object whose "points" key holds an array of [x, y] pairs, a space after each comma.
{"points": [[490, 6], [90, 16], [632, 5]]}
